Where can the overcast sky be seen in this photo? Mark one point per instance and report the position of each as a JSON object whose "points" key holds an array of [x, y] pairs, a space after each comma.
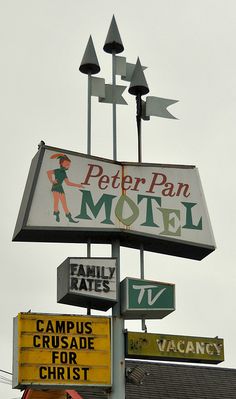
{"points": [[189, 49]]}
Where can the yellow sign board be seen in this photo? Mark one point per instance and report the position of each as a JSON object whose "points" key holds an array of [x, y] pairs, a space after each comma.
{"points": [[174, 347], [61, 350]]}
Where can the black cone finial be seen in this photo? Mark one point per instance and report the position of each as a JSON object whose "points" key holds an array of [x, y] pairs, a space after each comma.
{"points": [[138, 84], [89, 63], [113, 42]]}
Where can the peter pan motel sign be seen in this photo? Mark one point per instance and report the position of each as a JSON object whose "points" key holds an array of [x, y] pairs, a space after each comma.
{"points": [[78, 198], [72, 197], [160, 206]]}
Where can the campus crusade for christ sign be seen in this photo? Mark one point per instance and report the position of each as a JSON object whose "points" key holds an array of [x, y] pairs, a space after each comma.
{"points": [[71, 197], [61, 350]]}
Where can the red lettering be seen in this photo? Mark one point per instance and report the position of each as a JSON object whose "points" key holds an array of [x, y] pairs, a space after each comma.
{"points": [[155, 182], [138, 180], [104, 179], [126, 180], [114, 179], [90, 174]]}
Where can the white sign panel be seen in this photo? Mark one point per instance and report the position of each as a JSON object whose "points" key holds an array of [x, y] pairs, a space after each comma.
{"points": [[87, 282], [161, 206]]}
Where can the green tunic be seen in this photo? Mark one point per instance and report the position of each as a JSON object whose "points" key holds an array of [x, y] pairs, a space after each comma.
{"points": [[60, 176]]}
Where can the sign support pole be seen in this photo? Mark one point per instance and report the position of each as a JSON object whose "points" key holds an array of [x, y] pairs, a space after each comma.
{"points": [[118, 371], [89, 147], [118, 364], [138, 87], [139, 129], [139, 126], [89, 66], [113, 46], [114, 105], [89, 116], [144, 327]]}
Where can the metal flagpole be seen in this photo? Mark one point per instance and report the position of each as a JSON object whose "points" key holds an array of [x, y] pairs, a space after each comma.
{"points": [[118, 386], [139, 129], [89, 151], [89, 147], [118, 351], [139, 126], [138, 87], [114, 45], [89, 115], [144, 327], [90, 66], [114, 105]]}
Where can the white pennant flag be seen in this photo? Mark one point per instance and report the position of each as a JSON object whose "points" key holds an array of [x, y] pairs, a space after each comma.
{"points": [[117, 98], [104, 92], [125, 69], [97, 87], [157, 106]]}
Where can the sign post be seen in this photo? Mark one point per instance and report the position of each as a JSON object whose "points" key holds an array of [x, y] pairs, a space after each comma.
{"points": [[78, 198], [118, 365]]}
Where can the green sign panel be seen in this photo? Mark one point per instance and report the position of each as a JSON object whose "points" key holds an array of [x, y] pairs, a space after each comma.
{"points": [[147, 299], [174, 347]]}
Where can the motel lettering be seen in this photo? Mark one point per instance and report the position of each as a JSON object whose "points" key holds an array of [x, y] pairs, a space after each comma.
{"points": [[154, 214]]}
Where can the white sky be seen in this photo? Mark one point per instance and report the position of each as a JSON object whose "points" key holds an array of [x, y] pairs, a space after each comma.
{"points": [[189, 48]]}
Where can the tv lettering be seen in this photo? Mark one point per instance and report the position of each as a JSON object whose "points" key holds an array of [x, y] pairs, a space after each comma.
{"points": [[149, 290]]}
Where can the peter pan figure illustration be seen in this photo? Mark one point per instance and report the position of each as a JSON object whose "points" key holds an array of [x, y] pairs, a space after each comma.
{"points": [[57, 177]]}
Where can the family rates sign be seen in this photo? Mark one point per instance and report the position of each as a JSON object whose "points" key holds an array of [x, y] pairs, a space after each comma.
{"points": [[72, 197]]}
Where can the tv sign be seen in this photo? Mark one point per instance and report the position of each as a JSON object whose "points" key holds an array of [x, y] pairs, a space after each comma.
{"points": [[146, 299]]}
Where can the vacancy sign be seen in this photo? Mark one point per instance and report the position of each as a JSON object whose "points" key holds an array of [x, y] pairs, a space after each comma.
{"points": [[174, 347], [146, 299], [87, 282], [52, 351], [71, 197]]}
